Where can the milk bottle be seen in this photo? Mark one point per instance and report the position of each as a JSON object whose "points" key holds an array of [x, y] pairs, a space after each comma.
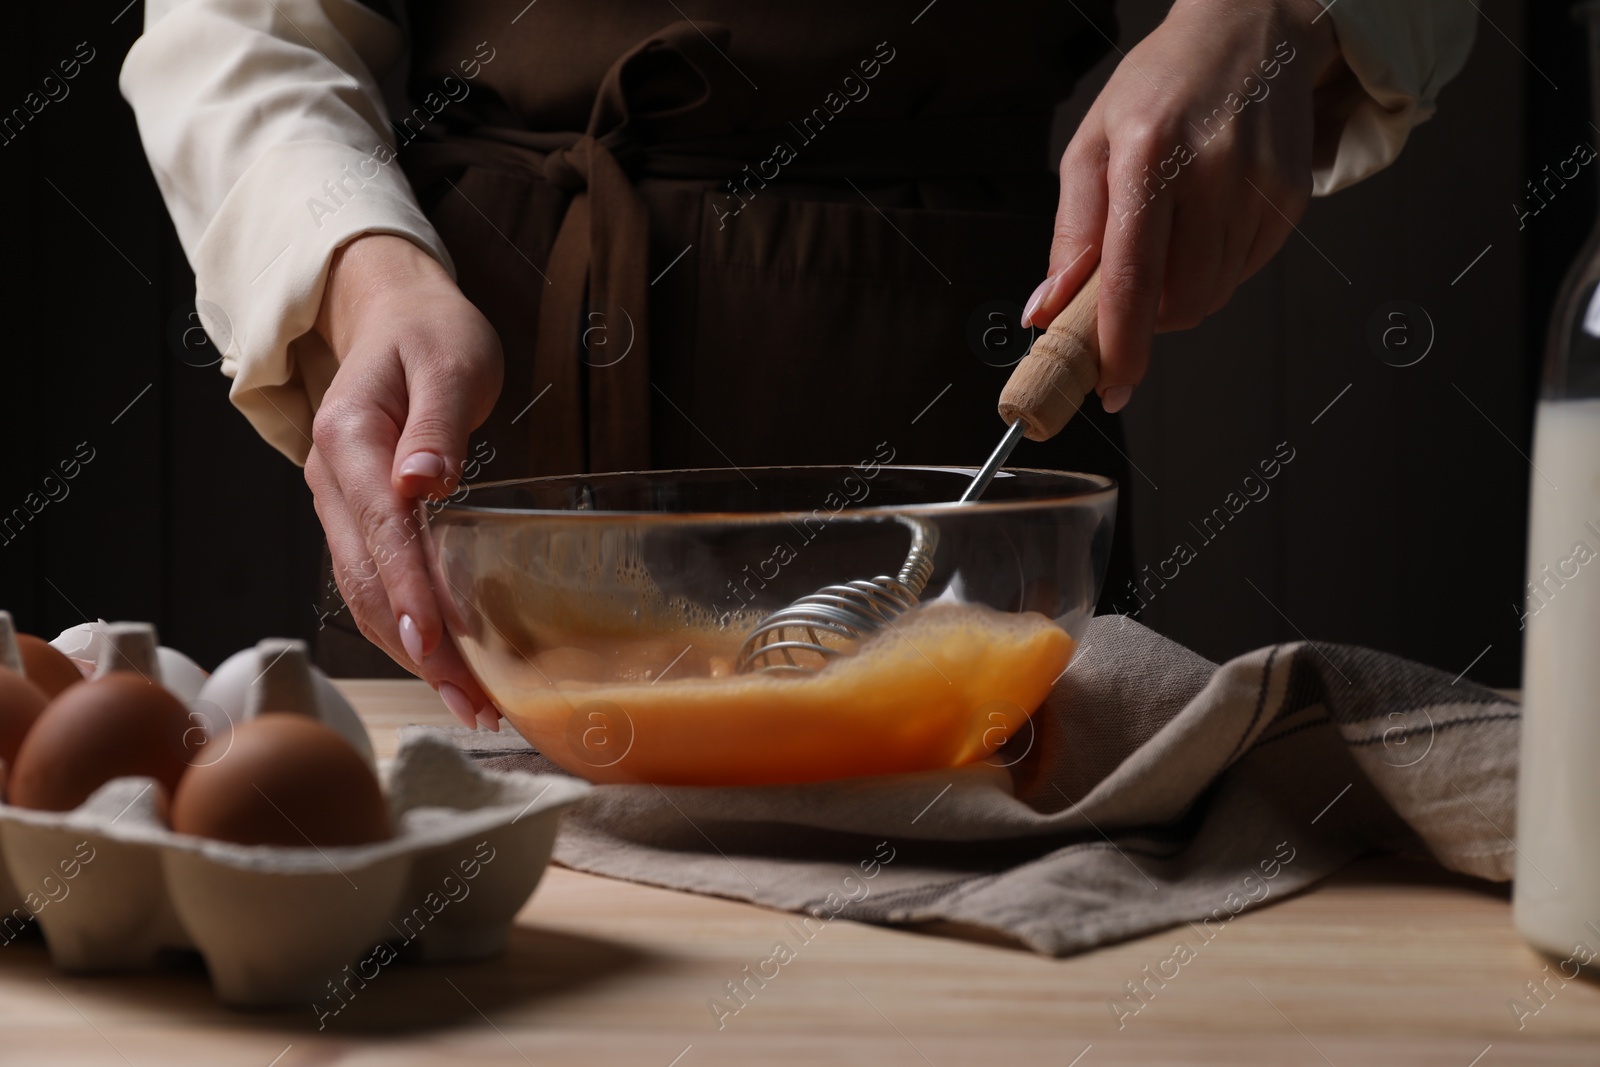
{"points": [[1558, 807], [1556, 901]]}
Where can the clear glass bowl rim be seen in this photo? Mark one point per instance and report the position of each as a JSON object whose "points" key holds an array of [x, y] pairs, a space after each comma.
{"points": [[1099, 489]]}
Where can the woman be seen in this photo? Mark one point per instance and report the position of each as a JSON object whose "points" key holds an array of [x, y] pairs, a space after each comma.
{"points": [[708, 234]]}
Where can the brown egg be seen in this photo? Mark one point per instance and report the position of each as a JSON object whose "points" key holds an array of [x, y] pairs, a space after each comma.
{"points": [[45, 667], [285, 780], [20, 704], [112, 727]]}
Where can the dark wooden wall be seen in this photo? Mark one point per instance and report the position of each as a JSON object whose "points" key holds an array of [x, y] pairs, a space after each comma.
{"points": [[183, 516], [1399, 523]]}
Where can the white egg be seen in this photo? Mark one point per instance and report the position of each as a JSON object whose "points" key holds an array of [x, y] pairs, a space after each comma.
{"points": [[87, 642], [225, 699], [180, 674]]}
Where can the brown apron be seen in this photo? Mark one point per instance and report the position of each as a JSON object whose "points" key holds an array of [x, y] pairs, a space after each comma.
{"points": [[744, 235]]}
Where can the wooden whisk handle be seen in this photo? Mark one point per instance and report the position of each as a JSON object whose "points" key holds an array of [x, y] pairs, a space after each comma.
{"points": [[1059, 371]]}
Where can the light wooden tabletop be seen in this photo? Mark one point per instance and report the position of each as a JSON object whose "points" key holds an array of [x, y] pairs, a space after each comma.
{"points": [[1387, 963]]}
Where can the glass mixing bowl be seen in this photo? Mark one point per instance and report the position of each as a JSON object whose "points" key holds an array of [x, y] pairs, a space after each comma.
{"points": [[608, 615]]}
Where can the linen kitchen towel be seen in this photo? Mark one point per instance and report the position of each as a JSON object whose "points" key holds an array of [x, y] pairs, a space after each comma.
{"points": [[1152, 788]]}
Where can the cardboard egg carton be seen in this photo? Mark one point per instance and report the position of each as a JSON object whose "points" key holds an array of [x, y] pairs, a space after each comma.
{"points": [[112, 887]]}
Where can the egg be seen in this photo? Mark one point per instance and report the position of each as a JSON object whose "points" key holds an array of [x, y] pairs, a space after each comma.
{"points": [[180, 674], [114, 726], [284, 668], [287, 780], [45, 667], [20, 704], [91, 642]]}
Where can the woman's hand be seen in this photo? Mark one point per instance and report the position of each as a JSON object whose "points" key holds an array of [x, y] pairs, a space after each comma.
{"points": [[419, 370], [1187, 173]]}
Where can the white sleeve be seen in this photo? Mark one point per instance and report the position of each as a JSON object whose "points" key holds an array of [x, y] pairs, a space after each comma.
{"points": [[1400, 54], [267, 132]]}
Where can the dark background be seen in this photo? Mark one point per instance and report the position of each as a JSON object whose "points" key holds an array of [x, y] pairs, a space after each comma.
{"points": [[1398, 525]]}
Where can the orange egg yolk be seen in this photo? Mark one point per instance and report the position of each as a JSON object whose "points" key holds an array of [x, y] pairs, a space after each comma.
{"points": [[944, 686]]}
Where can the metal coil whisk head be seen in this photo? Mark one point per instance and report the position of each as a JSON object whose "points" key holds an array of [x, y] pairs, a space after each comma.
{"points": [[803, 637]]}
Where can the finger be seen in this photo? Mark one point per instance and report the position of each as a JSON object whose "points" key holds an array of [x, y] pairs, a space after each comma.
{"points": [[453, 667], [1237, 241], [1281, 209], [360, 585], [1194, 254], [356, 440], [446, 401], [1270, 235], [354, 571], [1080, 220], [1132, 269]]}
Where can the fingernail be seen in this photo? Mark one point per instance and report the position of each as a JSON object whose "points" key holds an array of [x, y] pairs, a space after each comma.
{"points": [[411, 637], [1116, 398], [489, 716], [422, 465], [459, 705], [1033, 301]]}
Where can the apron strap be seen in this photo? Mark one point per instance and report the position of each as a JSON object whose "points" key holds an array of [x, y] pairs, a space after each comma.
{"points": [[603, 245], [593, 337]]}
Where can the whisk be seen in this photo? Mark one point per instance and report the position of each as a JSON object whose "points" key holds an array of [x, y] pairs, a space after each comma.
{"points": [[847, 612], [1046, 389]]}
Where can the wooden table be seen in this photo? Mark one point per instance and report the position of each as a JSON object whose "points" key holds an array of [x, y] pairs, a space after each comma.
{"points": [[1386, 963]]}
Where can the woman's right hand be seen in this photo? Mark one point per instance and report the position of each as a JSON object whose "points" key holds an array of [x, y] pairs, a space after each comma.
{"points": [[1188, 172], [419, 370]]}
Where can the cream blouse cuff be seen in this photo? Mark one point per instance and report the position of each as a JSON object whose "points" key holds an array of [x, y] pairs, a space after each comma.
{"points": [[263, 263], [1401, 53], [268, 135]]}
